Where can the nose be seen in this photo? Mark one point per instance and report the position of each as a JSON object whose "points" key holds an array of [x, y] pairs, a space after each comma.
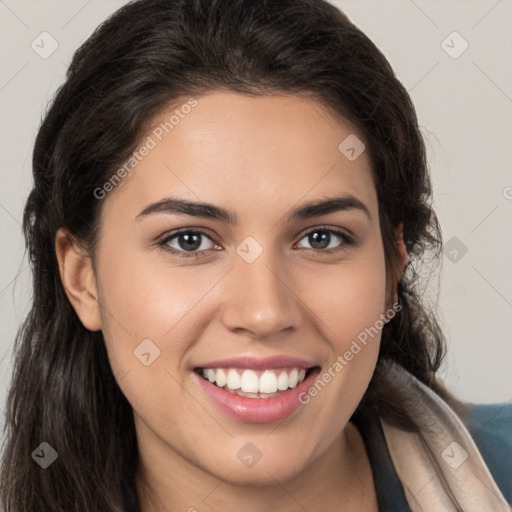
{"points": [[260, 299]]}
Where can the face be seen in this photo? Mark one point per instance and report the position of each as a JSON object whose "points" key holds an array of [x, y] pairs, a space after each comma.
{"points": [[260, 290]]}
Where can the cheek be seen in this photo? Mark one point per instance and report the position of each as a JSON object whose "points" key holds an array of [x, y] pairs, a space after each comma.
{"points": [[348, 298], [350, 308], [148, 300], [349, 301], [143, 311], [149, 315]]}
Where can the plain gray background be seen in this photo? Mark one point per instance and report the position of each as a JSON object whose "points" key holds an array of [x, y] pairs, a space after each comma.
{"points": [[464, 104]]}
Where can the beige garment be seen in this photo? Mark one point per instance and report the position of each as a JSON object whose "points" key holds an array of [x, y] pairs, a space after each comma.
{"points": [[440, 466]]}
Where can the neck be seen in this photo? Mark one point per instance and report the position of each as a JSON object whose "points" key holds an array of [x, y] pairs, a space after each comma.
{"points": [[341, 475]]}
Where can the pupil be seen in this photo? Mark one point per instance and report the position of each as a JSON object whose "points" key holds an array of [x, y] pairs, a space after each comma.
{"points": [[191, 242], [319, 239]]}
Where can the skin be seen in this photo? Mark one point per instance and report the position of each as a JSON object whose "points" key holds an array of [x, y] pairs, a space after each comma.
{"points": [[259, 157]]}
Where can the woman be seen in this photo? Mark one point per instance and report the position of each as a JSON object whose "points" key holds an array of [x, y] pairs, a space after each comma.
{"points": [[229, 199]]}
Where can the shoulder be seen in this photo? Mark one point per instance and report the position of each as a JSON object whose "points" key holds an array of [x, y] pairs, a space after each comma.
{"points": [[490, 426]]}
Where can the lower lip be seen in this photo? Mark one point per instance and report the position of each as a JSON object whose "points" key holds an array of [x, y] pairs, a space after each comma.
{"points": [[257, 410]]}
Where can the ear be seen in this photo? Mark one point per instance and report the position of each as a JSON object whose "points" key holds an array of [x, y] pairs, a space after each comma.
{"points": [[402, 262], [399, 236], [78, 279]]}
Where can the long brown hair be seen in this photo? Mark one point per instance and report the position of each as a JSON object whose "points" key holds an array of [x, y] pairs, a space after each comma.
{"points": [[145, 57]]}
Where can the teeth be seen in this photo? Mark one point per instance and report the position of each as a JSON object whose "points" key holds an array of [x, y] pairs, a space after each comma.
{"points": [[268, 382], [220, 378], [233, 381], [293, 378], [250, 382], [282, 381]]}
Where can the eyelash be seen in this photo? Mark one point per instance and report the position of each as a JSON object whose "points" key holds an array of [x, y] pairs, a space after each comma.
{"points": [[345, 239]]}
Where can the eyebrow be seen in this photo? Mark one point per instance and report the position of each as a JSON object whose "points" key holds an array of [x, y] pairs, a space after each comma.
{"points": [[209, 211]]}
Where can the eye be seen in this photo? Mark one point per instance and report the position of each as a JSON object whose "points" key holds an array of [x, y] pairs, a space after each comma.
{"points": [[188, 243], [327, 240]]}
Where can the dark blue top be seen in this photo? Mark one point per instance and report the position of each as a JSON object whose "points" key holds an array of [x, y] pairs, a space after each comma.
{"points": [[490, 425]]}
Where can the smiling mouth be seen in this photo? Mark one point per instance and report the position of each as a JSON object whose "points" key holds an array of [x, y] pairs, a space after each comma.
{"points": [[250, 383]]}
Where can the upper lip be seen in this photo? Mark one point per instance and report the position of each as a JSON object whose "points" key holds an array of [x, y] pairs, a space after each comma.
{"points": [[255, 363]]}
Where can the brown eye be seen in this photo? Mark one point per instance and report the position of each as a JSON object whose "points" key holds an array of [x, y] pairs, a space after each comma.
{"points": [[327, 239], [187, 241]]}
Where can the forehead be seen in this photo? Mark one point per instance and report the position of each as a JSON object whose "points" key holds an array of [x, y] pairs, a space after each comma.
{"points": [[243, 151]]}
